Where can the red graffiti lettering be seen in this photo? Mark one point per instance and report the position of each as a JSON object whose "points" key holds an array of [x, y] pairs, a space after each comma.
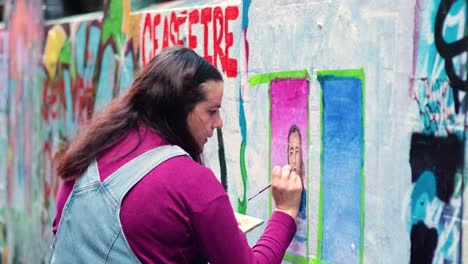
{"points": [[181, 21], [166, 33], [205, 19], [51, 106], [146, 30], [175, 29], [232, 12], [156, 22], [193, 19], [217, 37], [149, 32]]}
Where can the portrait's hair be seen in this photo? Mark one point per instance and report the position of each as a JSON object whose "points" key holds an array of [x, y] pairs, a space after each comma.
{"points": [[161, 97]]}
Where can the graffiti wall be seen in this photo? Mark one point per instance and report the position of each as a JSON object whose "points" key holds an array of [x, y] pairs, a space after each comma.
{"points": [[437, 149], [365, 99]]}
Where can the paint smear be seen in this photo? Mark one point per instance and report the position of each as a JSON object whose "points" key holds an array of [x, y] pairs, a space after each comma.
{"points": [[56, 38]]}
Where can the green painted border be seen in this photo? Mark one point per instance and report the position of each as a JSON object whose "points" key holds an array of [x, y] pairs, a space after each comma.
{"points": [[266, 79], [346, 73], [322, 76], [317, 261], [296, 259], [270, 202]]}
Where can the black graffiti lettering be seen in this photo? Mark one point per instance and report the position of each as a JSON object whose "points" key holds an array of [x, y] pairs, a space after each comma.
{"points": [[450, 50], [423, 243], [441, 155]]}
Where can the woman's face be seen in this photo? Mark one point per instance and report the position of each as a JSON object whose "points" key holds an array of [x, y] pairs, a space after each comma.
{"points": [[205, 117], [294, 152]]}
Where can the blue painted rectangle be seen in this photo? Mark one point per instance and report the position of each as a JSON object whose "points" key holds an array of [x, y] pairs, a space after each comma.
{"points": [[342, 141]]}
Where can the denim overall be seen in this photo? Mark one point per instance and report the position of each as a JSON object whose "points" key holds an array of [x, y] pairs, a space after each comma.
{"points": [[90, 230]]}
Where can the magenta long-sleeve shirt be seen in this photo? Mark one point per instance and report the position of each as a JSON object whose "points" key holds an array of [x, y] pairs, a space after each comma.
{"points": [[179, 212]]}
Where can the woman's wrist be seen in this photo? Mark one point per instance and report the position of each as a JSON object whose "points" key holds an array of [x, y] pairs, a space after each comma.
{"points": [[290, 212]]}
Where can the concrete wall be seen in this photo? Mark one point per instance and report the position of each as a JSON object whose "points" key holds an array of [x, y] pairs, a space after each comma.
{"points": [[376, 88]]}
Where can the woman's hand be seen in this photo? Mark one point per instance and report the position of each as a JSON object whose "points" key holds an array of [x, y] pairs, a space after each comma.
{"points": [[286, 187]]}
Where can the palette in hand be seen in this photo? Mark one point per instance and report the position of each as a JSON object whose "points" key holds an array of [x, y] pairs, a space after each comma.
{"points": [[246, 222]]}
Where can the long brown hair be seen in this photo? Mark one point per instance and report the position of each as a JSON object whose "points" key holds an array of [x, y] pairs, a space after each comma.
{"points": [[161, 97]]}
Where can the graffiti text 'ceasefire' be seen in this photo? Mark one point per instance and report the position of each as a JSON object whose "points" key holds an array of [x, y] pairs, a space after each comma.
{"points": [[160, 31]]}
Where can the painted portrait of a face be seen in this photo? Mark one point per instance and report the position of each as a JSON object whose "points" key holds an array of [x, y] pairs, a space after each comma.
{"points": [[295, 151]]}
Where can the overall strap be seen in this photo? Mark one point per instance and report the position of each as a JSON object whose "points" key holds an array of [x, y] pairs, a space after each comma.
{"points": [[121, 181], [91, 175]]}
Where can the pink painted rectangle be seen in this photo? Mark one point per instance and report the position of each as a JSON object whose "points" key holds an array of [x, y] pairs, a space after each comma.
{"points": [[289, 106], [289, 130]]}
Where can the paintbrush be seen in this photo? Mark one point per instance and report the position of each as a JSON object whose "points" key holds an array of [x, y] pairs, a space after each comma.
{"points": [[262, 190]]}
